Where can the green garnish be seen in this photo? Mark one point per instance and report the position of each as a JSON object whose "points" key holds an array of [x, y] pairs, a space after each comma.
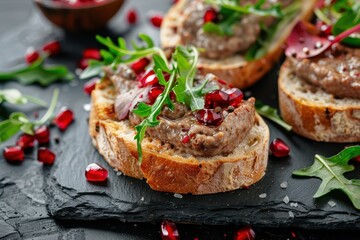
{"points": [[38, 72], [14, 96], [271, 113], [331, 171], [19, 121], [230, 13]]}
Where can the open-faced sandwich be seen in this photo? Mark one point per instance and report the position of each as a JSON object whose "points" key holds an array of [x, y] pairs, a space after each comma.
{"points": [[240, 39], [319, 83], [182, 131]]}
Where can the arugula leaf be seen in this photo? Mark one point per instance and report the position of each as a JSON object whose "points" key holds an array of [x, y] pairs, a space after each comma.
{"points": [[331, 171], [14, 96], [19, 121], [271, 113], [38, 72]]}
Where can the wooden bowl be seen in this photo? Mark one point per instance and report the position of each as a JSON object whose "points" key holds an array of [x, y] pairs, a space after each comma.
{"points": [[85, 17]]}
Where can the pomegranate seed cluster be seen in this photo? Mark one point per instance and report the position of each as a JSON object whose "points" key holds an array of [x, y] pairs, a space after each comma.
{"points": [[51, 48]]}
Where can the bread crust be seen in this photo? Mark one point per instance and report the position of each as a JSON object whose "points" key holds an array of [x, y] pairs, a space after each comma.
{"points": [[316, 114], [168, 170], [235, 69]]}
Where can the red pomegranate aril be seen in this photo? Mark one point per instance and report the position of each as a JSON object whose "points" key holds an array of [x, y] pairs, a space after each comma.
{"points": [[26, 141], [13, 154], [83, 63], [154, 92], [279, 148], [64, 118], [42, 134], [95, 173], [357, 159], [148, 78], [156, 20], [209, 117], [140, 65], [216, 98], [46, 156], [52, 48], [235, 96], [89, 86], [169, 231], [31, 56], [210, 15], [245, 233], [185, 139], [92, 53], [131, 16]]}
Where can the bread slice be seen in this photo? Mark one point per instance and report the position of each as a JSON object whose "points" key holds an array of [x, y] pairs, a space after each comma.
{"points": [[166, 169], [235, 69], [316, 114]]}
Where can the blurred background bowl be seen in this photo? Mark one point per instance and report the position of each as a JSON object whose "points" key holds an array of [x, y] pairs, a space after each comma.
{"points": [[83, 16]]}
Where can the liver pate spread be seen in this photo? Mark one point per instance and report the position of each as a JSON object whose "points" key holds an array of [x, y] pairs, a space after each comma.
{"points": [[179, 127], [337, 71], [245, 31]]}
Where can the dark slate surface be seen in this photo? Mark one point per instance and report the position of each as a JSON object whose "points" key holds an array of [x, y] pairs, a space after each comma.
{"points": [[68, 196]]}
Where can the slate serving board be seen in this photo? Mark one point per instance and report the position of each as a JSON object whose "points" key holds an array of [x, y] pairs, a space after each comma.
{"points": [[70, 196]]}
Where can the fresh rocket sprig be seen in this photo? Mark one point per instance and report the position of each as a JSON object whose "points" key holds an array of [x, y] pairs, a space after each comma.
{"points": [[14, 96], [271, 114], [18, 121]]}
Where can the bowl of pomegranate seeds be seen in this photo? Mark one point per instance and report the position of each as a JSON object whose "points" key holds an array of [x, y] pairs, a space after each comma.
{"points": [[79, 15]]}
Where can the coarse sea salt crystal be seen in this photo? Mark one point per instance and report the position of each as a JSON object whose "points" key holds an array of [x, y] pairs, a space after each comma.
{"points": [[294, 204], [119, 173], [263, 195], [177, 195], [284, 184], [332, 203], [286, 199], [142, 199], [291, 214], [87, 107]]}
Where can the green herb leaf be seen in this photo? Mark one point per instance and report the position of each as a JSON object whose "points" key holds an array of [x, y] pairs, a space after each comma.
{"points": [[14, 96], [331, 171], [347, 21], [271, 113], [38, 72]]}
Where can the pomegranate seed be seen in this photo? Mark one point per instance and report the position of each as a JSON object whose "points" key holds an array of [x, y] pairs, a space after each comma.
{"points": [[185, 139], [175, 1], [140, 65], [64, 118], [156, 20], [357, 159], [209, 117], [210, 15], [235, 96], [169, 231], [279, 148], [223, 82], [13, 154], [131, 16], [89, 86], [31, 56], [83, 63], [148, 78], [46, 156], [95, 173], [42, 134], [216, 98], [244, 234], [52, 48], [154, 92], [92, 53], [26, 141]]}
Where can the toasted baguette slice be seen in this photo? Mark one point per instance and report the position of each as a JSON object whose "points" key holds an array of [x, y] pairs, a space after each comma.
{"points": [[235, 69], [166, 169], [316, 114]]}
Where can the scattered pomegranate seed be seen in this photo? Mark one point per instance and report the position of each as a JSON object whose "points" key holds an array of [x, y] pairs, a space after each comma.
{"points": [[235, 96], [46, 156], [140, 65], [357, 159], [216, 98], [245, 234], [223, 82], [131, 16], [42, 134], [156, 20], [13, 154], [52, 48], [209, 117], [83, 63], [89, 86], [185, 139], [95, 173], [92, 53], [210, 15], [64, 118], [31, 56], [148, 78], [26, 141], [169, 231], [154, 92], [279, 148]]}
